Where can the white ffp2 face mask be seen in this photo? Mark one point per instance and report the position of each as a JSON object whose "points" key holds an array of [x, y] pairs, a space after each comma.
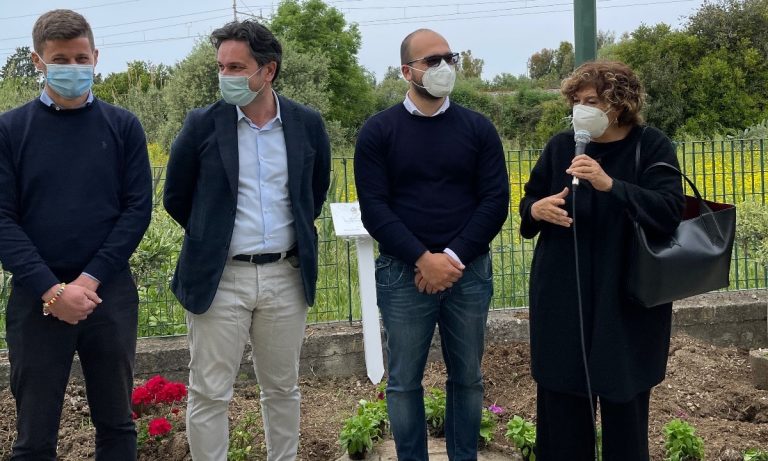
{"points": [[438, 80], [591, 119]]}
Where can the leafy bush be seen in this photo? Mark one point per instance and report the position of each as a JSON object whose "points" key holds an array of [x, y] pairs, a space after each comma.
{"points": [[488, 420], [752, 231], [241, 438], [523, 434], [681, 442], [755, 455], [434, 411], [358, 433]]}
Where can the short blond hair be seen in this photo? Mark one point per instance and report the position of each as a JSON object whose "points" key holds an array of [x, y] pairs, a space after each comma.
{"points": [[614, 82]]}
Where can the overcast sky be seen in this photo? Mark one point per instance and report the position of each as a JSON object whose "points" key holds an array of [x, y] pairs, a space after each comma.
{"points": [[504, 33]]}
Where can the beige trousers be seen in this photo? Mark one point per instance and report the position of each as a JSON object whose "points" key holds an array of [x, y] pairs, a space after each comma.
{"points": [[264, 304]]}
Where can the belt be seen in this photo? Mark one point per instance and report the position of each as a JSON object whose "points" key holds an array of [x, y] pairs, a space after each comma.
{"points": [[266, 258]]}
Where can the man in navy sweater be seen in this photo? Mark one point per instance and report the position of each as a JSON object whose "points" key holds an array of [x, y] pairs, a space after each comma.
{"points": [[75, 202], [433, 192]]}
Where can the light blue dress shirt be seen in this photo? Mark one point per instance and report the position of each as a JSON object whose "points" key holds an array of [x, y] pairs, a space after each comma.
{"points": [[46, 99], [264, 218]]}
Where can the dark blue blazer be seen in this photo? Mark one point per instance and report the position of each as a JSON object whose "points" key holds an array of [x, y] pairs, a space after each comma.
{"points": [[201, 194]]}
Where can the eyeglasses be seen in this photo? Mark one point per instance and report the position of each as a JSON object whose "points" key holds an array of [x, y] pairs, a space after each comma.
{"points": [[436, 59]]}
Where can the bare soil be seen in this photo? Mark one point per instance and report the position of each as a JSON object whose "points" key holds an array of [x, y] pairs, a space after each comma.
{"points": [[708, 386]]}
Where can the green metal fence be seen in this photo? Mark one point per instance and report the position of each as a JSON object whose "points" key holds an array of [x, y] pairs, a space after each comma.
{"points": [[730, 171]]}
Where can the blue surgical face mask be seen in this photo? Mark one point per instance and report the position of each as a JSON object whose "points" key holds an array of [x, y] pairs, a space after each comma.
{"points": [[235, 89], [70, 81]]}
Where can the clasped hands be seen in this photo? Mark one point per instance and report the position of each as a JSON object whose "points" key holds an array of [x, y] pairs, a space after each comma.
{"points": [[437, 272], [76, 302], [550, 209]]}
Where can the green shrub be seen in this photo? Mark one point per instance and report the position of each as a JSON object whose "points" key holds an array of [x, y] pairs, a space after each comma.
{"points": [[358, 433], [488, 422], [754, 454], [681, 442], [523, 434], [752, 230], [434, 411], [241, 438]]}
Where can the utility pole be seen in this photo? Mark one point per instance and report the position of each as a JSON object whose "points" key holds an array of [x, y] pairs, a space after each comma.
{"points": [[585, 30], [234, 9]]}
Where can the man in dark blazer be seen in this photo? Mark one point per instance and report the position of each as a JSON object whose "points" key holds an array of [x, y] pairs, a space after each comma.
{"points": [[247, 177]]}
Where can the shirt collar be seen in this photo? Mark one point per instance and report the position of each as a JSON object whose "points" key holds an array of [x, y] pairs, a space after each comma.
{"points": [[412, 109], [45, 98], [278, 118]]}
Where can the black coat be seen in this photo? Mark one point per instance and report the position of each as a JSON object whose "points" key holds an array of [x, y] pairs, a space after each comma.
{"points": [[626, 345], [201, 194]]}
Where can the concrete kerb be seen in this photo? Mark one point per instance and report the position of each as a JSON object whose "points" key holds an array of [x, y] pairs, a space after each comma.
{"points": [[728, 318]]}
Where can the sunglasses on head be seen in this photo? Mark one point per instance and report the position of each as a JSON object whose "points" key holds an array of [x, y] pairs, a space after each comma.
{"points": [[436, 59]]}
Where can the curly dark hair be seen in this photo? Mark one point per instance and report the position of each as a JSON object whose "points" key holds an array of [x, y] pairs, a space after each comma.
{"points": [[614, 82], [263, 45]]}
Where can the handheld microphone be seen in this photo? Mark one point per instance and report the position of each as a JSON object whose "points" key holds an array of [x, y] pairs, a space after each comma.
{"points": [[582, 138]]}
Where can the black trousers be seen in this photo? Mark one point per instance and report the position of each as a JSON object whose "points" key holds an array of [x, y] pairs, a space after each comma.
{"points": [[564, 428], [41, 349]]}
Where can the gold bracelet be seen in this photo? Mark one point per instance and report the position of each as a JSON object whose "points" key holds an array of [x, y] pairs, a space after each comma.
{"points": [[49, 303]]}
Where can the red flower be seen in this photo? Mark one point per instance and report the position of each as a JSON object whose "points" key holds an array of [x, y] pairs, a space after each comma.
{"points": [[159, 427], [175, 411], [155, 385], [171, 392], [134, 415], [141, 396]]}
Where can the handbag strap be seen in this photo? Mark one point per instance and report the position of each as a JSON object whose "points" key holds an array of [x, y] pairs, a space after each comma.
{"points": [[666, 165], [704, 209]]}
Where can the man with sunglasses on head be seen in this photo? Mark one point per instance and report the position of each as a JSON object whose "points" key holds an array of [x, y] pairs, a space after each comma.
{"points": [[433, 192]]}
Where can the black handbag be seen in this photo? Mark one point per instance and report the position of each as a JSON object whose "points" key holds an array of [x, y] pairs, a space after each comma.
{"points": [[695, 259]]}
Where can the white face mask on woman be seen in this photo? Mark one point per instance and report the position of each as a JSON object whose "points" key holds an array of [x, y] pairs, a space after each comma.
{"points": [[591, 119]]}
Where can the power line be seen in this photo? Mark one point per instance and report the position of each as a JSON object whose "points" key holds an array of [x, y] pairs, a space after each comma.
{"points": [[142, 21], [75, 8], [446, 16], [164, 26]]}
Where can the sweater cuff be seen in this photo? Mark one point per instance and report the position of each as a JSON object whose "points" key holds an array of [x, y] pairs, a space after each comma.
{"points": [[99, 270], [40, 281]]}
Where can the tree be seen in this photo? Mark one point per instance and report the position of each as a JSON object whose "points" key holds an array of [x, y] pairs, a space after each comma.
{"points": [[392, 73], [19, 65], [564, 59], [194, 83], [315, 28], [541, 63], [140, 74], [470, 67]]}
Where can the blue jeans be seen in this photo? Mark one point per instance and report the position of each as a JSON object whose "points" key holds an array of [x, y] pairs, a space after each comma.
{"points": [[409, 319]]}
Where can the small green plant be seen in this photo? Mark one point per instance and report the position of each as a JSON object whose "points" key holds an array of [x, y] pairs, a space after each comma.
{"points": [[377, 411], [523, 434], [434, 411], [753, 454], [357, 435], [488, 421], [241, 438], [681, 442]]}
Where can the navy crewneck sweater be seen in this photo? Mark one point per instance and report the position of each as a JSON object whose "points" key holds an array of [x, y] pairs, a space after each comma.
{"points": [[75, 192], [430, 183]]}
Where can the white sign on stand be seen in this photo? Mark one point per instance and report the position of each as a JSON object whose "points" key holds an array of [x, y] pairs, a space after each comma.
{"points": [[348, 224]]}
